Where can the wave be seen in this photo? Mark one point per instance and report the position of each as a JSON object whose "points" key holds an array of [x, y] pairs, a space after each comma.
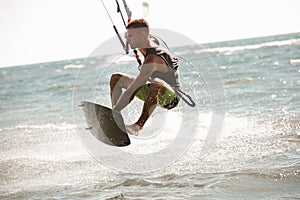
{"points": [[161, 182], [295, 62], [73, 66], [203, 185], [62, 126], [231, 50], [243, 80]]}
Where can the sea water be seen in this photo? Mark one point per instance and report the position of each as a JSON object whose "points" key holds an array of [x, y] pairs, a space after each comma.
{"points": [[241, 141]]}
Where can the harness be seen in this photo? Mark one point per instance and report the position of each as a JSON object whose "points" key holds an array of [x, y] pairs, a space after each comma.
{"points": [[171, 77]]}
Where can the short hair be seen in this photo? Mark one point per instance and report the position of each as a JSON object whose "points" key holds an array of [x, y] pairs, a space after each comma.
{"points": [[138, 23]]}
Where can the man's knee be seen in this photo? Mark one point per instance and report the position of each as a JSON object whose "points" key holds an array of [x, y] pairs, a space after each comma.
{"points": [[115, 78], [122, 80]]}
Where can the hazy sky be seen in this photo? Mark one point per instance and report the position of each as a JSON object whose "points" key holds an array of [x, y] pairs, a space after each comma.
{"points": [[35, 31]]}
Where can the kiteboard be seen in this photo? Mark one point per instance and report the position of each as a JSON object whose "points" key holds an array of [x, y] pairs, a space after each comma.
{"points": [[105, 124]]}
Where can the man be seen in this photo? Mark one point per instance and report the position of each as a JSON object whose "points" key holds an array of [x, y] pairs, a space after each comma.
{"points": [[156, 82]]}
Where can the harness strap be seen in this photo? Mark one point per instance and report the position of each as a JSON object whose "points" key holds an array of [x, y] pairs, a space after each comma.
{"points": [[182, 95], [137, 58]]}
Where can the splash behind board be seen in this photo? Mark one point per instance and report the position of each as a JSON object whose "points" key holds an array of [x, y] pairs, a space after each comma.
{"points": [[105, 124]]}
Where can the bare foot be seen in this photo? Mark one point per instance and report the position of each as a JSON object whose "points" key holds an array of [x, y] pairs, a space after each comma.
{"points": [[133, 129]]}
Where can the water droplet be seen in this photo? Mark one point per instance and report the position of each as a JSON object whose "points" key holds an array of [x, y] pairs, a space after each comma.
{"points": [[273, 96]]}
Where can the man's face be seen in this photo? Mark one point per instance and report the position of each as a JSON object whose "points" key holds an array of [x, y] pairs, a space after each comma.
{"points": [[136, 37]]}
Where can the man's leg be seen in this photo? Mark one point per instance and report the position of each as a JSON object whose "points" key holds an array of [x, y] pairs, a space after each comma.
{"points": [[118, 82], [150, 104]]}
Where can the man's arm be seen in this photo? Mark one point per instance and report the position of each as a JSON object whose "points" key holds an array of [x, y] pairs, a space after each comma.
{"points": [[141, 79]]}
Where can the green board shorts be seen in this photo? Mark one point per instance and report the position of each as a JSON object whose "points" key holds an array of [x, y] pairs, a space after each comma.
{"points": [[163, 100]]}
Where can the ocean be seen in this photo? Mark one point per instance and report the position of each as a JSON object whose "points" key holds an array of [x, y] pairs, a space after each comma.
{"points": [[241, 141]]}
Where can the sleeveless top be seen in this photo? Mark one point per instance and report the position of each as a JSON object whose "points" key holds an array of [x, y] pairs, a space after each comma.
{"points": [[171, 77]]}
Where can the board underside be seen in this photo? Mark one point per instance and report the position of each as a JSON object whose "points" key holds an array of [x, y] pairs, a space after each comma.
{"points": [[105, 124]]}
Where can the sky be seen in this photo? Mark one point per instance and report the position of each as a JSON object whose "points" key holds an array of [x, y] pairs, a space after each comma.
{"points": [[35, 31]]}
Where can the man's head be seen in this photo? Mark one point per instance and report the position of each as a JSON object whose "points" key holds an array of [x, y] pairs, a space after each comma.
{"points": [[137, 33]]}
